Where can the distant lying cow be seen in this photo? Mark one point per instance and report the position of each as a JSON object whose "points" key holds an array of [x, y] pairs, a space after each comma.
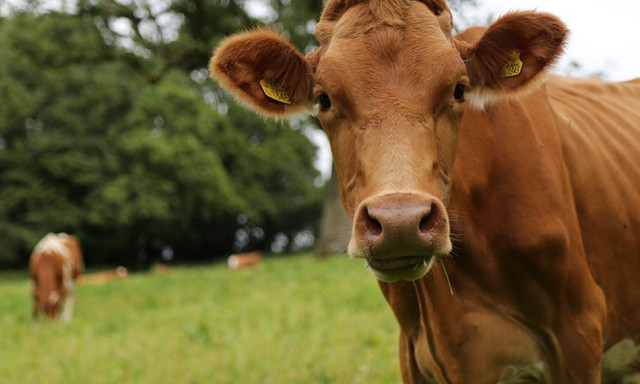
{"points": [[103, 277], [55, 264], [244, 260]]}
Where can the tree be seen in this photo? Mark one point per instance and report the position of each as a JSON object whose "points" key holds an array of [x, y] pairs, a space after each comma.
{"points": [[96, 140], [44, 167]]}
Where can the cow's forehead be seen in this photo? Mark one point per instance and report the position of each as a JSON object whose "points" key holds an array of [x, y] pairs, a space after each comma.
{"points": [[365, 54], [358, 37], [360, 19]]}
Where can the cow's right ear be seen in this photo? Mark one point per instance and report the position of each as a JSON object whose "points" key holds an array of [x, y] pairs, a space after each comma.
{"points": [[511, 55], [265, 72]]}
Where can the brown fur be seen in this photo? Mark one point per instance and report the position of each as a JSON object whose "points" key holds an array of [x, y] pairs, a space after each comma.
{"points": [[530, 182]]}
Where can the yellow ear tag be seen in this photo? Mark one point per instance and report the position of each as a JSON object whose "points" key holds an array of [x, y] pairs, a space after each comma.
{"points": [[274, 91], [514, 66]]}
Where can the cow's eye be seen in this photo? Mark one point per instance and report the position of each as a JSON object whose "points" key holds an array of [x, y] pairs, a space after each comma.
{"points": [[324, 101], [458, 93]]}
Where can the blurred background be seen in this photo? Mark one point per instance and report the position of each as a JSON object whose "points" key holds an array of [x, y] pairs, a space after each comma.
{"points": [[111, 130]]}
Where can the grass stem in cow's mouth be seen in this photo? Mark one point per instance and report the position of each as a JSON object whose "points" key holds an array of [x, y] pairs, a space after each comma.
{"points": [[446, 275]]}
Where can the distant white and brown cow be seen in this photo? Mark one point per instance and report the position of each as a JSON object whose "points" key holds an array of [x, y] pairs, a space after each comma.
{"points": [[55, 264]]}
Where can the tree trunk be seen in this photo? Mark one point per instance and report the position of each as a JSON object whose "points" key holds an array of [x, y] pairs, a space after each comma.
{"points": [[335, 228]]}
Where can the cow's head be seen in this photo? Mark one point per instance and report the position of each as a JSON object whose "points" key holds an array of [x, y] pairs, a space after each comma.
{"points": [[48, 300], [390, 84]]}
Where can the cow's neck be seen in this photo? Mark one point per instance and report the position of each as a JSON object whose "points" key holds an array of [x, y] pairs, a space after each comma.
{"points": [[47, 278], [512, 257]]}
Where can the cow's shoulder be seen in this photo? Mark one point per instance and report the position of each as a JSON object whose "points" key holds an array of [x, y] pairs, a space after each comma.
{"points": [[73, 245], [598, 121]]}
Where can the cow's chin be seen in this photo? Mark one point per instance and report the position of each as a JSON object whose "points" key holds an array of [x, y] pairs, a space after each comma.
{"points": [[402, 268]]}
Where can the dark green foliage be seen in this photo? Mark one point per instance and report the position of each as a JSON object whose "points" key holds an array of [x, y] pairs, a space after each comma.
{"points": [[97, 141], [298, 20], [54, 71], [202, 24]]}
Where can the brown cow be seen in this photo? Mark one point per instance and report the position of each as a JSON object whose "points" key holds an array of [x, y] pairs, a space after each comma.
{"points": [[55, 264], [244, 260], [460, 148]]}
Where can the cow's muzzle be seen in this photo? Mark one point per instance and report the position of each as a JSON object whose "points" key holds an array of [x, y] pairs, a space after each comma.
{"points": [[399, 234]]}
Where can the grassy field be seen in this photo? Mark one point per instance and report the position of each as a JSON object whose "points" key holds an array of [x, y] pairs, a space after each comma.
{"points": [[290, 320]]}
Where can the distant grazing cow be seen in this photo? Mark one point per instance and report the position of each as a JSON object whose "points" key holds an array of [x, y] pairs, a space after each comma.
{"points": [[459, 150], [55, 264], [244, 260]]}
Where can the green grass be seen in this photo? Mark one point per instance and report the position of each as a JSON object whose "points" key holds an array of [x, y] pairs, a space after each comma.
{"points": [[290, 320]]}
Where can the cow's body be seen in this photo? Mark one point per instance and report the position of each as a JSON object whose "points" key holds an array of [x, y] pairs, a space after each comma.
{"points": [[544, 206], [55, 264], [461, 149], [600, 131]]}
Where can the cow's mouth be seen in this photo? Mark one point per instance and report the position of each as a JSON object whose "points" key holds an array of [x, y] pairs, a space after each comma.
{"points": [[397, 263], [400, 268]]}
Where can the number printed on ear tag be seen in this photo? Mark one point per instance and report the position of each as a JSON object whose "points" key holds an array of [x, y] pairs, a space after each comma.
{"points": [[274, 91], [514, 66]]}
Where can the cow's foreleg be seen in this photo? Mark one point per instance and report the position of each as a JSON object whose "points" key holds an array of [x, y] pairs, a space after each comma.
{"points": [[36, 307], [68, 303], [34, 319]]}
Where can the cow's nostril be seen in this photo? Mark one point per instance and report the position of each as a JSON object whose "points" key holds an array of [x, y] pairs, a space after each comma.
{"points": [[429, 219], [371, 225]]}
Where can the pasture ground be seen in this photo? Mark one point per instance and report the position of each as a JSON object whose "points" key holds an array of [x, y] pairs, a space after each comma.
{"points": [[290, 320]]}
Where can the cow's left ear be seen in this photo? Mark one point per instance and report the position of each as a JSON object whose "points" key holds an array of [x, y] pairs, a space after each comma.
{"points": [[265, 72], [513, 52]]}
